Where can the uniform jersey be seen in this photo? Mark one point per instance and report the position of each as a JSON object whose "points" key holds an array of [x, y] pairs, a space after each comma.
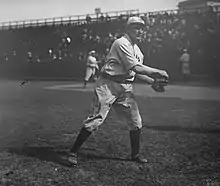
{"points": [[123, 56], [91, 62], [185, 58], [91, 67]]}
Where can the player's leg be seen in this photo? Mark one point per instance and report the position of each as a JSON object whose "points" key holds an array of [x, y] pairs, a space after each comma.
{"points": [[96, 72], [93, 76], [87, 76], [187, 72], [102, 100], [127, 108]]}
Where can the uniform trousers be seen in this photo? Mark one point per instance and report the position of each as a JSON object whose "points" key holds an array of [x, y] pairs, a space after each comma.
{"points": [[119, 96]]}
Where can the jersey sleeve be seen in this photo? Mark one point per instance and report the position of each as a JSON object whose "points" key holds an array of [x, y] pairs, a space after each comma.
{"points": [[126, 54]]}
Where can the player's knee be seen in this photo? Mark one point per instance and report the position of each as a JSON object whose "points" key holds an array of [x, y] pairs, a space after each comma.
{"points": [[92, 123], [135, 124], [135, 127], [91, 128]]}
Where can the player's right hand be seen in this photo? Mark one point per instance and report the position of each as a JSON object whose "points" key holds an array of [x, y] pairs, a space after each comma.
{"points": [[164, 74], [160, 74]]}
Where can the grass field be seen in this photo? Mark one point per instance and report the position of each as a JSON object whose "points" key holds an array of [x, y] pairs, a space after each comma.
{"points": [[181, 138]]}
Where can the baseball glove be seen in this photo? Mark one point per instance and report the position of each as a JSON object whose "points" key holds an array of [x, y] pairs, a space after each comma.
{"points": [[159, 83]]}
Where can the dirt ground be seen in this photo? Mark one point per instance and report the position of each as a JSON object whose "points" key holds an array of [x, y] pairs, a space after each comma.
{"points": [[40, 121]]}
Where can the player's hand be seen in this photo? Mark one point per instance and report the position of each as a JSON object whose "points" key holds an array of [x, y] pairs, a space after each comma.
{"points": [[160, 81], [164, 74], [160, 74], [159, 85]]}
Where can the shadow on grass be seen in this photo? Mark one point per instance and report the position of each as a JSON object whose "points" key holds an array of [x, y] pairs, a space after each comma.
{"points": [[59, 157], [185, 129], [84, 155], [42, 153]]}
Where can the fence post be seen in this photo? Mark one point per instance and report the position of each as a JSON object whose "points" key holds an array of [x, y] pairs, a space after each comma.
{"points": [[77, 20], [54, 21], [61, 20]]}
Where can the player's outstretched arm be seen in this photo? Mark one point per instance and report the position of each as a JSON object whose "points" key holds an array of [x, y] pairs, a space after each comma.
{"points": [[145, 79], [157, 84], [149, 71]]}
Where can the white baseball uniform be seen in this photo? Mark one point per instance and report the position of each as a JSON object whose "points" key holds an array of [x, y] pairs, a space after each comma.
{"points": [[91, 67], [184, 59], [114, 87]]}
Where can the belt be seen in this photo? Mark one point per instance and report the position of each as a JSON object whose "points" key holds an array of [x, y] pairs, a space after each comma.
{"points": [[115, 78]]}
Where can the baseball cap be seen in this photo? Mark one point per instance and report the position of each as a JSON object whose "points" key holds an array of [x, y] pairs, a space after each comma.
{"points": [[92, 52], [135, 20]]}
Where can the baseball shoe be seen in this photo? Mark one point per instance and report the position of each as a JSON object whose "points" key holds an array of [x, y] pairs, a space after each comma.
{"points": [[139, 159], [72, 159]]}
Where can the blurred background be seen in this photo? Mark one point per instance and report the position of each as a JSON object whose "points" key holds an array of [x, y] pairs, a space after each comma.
{"points": [[57, 47]]}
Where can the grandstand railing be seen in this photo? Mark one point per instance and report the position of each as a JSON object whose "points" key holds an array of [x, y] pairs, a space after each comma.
{"points": [[73, 19], [79, 19]]}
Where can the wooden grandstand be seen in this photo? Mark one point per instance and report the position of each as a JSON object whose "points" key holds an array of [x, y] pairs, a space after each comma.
{"points": [[73, 19]]}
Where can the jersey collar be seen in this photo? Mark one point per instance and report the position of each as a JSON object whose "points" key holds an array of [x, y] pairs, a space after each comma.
{"points": [[129, 39]]}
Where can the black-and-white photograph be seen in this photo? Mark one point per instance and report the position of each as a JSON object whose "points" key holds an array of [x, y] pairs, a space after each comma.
{"points": [[110, 93]]}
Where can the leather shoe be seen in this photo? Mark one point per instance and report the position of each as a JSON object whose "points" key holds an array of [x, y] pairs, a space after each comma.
{"points": [[139, 159], [72, 159]]}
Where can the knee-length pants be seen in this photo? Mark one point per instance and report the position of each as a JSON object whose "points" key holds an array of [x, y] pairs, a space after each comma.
{"points": [[120, 96]]}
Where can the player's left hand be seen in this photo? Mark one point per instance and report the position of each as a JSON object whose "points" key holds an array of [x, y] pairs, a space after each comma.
{"points": [[159, 84]]}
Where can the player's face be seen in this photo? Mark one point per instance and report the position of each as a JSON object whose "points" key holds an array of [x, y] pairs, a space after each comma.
{"points": [[135, 32], [93, 54]]}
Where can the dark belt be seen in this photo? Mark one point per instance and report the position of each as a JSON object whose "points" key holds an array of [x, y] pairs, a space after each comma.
{"points": [[115, 78]]}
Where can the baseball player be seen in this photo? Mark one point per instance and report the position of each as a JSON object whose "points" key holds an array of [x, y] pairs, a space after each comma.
{"points": [[185, 64], [91, 67], [113, 89]]}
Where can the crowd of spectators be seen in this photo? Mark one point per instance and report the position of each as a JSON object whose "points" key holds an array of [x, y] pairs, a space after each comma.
{"points": [[60, 50]]}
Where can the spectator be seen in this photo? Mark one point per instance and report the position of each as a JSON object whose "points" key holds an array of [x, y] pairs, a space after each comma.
{"points": [[88, 19]]}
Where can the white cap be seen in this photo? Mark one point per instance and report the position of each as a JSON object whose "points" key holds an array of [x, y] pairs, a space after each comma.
{"points": [[92, 52], [135, 20]]}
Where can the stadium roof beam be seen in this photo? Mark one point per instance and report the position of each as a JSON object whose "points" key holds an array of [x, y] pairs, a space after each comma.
{"points": [[74, 19]]}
